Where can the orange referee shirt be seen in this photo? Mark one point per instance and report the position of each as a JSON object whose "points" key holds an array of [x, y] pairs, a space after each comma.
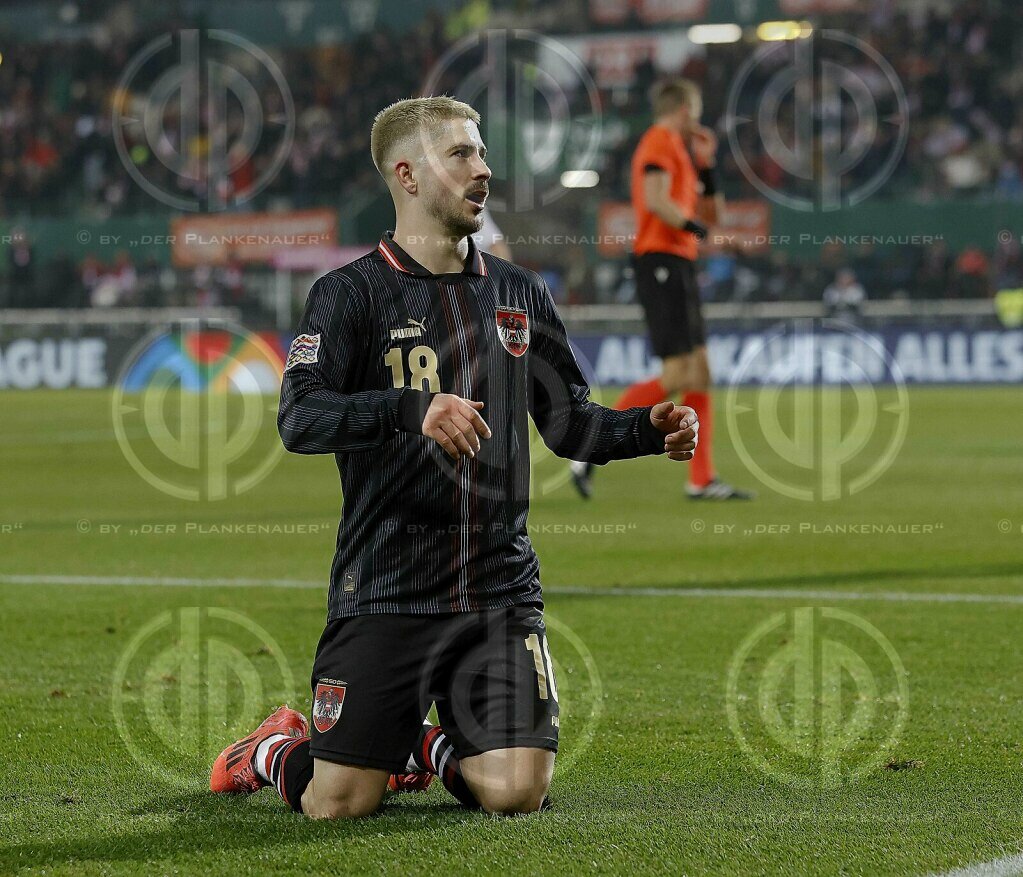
{"points": [[665, 149]]}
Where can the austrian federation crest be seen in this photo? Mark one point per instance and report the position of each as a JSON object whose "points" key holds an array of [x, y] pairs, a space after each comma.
{"points": [[513, 330], [327, 703]]}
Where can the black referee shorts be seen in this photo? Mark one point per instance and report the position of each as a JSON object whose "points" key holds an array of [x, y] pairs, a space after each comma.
{"points": [[667, 289], [375, 676]]}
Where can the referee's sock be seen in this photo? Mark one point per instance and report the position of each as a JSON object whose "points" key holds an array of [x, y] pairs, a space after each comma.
{"points": [[701, 467], [434, 753], [642, 394], [286, 764]]}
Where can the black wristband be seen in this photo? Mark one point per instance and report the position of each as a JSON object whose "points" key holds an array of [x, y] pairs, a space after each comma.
{"points": [[697, 228], [412, 408], [651, 439], [709, 178]]}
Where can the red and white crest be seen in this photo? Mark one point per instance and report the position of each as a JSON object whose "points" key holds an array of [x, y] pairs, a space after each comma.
{"points": [[513, 330], [327, 703]]}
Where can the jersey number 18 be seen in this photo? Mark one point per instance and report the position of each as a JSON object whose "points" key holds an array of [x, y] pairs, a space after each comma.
{"points": [[422, 366]]}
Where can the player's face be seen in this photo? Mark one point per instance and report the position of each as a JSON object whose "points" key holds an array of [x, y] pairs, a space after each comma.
{"points": [[456, 179]]}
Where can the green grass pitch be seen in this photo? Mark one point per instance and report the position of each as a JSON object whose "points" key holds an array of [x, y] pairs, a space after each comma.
{"points": [[114, 697]]}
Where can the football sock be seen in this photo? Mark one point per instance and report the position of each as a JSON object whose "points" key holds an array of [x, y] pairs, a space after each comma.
{"points": [[642, 394], [701, 467], [286, 764], [262, 760], [434, 753]]}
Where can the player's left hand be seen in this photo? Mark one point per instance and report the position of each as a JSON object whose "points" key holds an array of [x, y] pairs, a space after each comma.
{"points": [[681, 429]]}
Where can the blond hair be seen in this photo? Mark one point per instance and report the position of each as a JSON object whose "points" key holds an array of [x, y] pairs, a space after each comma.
{"points": [[668, 96], [406, 119]]}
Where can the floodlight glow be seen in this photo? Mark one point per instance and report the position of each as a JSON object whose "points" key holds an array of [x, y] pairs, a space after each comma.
{"points": [[715, 33], [580, 179]]}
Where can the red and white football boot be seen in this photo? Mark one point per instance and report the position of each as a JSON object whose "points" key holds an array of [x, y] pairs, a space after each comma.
{"points": [[419, 781], [234, 772]]}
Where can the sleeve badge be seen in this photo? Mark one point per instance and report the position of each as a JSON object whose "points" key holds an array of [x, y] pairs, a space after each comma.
{"points": [[304, 349]]}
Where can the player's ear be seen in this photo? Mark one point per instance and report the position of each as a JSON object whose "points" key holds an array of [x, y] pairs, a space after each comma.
{"points": [[406, 177]]}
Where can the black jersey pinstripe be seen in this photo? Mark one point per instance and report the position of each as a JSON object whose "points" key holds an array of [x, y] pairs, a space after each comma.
{"points": [[421, 534]]}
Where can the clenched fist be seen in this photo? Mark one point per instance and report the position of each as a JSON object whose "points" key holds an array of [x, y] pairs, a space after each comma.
{"points": [[681, 429]]}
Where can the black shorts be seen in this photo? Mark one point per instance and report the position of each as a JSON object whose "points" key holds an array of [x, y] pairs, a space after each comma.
{"points": [[667, 289], [375, 676]]}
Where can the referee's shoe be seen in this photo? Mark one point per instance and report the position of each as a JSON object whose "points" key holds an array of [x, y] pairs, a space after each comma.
{"points": [[718, 489], [715, 489]]}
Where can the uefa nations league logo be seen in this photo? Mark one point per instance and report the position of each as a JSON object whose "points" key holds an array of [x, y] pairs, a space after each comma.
{"points": [[194, 408]]}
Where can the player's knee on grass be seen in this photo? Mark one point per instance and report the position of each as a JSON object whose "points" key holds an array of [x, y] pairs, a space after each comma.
{"points": [[510, 781], [340, 791], [511, 802], [340, 804]]}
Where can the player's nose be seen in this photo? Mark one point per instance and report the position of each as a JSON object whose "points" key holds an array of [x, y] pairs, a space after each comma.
{"points": [[480, 170]]}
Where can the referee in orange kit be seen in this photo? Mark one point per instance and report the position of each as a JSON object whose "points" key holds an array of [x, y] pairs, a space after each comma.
{"points": [[674, 195]]}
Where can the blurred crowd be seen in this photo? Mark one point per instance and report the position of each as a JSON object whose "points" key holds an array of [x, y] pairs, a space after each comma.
{"points": [[845, 277], [121, 281], [908, 272], [963, 89], [58, 154], [958, 70], [840, 275]]}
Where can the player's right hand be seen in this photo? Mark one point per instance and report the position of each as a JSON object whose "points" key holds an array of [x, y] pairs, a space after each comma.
{"points": [[456, 425]]}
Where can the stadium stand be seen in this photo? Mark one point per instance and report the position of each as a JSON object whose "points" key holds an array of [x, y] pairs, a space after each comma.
{"points": [[58, 160]]}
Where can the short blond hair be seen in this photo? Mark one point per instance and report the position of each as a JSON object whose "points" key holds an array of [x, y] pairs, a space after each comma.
{"points": [[405, 120], [668, 96]]}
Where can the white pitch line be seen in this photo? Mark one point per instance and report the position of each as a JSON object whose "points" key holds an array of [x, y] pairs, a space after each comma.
{"points": [[556, 590], [1004, 867], [158, 581], [790, 594]]}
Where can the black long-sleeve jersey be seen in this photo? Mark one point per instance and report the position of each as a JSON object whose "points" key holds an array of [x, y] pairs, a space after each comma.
{"points": [[422, 534]]}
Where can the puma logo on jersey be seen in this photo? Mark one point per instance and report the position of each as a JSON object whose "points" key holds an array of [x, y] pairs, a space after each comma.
{"points": [[414, 330]]}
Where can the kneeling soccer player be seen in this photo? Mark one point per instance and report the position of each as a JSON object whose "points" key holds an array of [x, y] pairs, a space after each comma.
{"points": [[434, 592]]}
